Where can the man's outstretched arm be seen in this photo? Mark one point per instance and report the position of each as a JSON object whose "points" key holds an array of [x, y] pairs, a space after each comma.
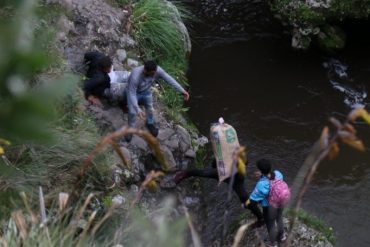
{"points": [[172, 82]]}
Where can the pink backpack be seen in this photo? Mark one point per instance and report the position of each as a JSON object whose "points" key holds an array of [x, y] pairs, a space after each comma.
{"points": [[279, 194]]}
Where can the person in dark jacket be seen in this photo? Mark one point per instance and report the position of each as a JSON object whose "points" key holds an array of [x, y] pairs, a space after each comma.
{"points": [[97, 76]]}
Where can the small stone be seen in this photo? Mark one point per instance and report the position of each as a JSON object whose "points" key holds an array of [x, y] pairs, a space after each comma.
{"points": [[132, 63], [173, 143], [139, 142], [185, 139], [118, 200], [117, 175], [126, 153], [127, 41], [65, 25], [201, 141], [183, 146], [121, 54], [134, 189], [169, 158], [191, 153], [165, 134], [61, 36], [136, 165], [191, 201], [183, 134]]}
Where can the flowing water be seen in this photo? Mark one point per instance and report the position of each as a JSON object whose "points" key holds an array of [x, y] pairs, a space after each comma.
{"points": [[243, 69]]}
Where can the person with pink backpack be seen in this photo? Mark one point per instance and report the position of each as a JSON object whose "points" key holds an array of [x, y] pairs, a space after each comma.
{"points": [[273, 194]]}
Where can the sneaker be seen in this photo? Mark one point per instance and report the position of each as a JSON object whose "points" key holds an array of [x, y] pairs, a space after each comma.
{"points": [[152, 129], [271, 244], [179, 176], [283, 237], [128, 138]]}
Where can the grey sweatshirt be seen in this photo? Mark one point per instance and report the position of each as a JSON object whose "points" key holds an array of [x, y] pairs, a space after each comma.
{"points": [[139, 83]]}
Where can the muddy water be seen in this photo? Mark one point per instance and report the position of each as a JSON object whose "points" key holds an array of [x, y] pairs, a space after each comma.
{"points": [[279, 100]]}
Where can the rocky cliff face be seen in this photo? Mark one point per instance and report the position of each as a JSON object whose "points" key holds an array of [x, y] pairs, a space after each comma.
{"points": [[319, 20]]}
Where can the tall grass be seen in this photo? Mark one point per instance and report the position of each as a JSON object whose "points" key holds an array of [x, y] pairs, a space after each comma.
{"points": [[82, 226], [160, 38], [55, 164], [156, 31]]}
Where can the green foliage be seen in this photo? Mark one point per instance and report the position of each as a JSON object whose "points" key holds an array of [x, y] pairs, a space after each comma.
{"points": [[332, 39], [307, 15], [174, 101], [350, 8], [35, 105], [160, 38], [9, 199], [68, 228], [201, 157], [26, 103], [156, 31], [315, 223], [297, 11], [160, 231]]}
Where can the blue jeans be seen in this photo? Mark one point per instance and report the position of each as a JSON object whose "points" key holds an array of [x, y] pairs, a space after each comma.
{"points": [[146, 99]]}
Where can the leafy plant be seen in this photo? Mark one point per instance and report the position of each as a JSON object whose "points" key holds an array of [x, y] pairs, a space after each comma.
{"points": [[26, 104], [159, 35]]}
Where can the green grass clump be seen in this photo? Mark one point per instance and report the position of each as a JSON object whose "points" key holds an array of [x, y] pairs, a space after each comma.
{"points": [[156, 31], [348, 8]]}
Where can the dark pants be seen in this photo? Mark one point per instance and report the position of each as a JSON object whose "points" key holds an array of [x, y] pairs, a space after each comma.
{"points": [[238, 185], [254, 208], [274, 219]]}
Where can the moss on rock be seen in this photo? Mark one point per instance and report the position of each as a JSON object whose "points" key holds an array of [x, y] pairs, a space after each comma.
{"points": [[309, 15], [331, 39]]}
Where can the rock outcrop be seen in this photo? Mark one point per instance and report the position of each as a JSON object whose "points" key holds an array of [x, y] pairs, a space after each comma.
{"points": [[312, 20]]}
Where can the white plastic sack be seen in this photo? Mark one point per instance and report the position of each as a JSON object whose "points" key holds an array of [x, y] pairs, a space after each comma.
{"points": [[118, 84], [225, 144], [119, 76]]}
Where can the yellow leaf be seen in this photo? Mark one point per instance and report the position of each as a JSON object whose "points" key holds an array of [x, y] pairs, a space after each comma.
{"points": [[4, 142], [1, 150], [356, 113], [241, 167], [366, 116], [152, 185]]}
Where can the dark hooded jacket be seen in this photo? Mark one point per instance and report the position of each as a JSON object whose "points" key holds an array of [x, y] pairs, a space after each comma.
{"points": [[97, 80]]}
